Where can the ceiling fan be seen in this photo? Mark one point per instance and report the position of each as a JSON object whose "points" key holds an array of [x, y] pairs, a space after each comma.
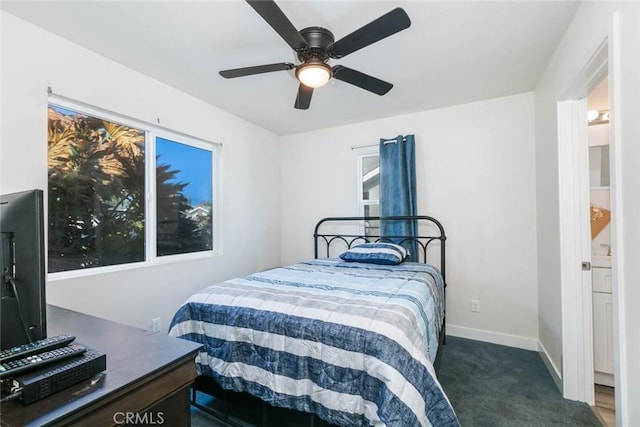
{"points": [[314, 46]]}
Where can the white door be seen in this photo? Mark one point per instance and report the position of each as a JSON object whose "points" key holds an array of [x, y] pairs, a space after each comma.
{"points": [[575, 249]]}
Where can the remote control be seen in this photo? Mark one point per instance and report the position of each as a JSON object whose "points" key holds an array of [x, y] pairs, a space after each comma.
{"points": [[42, 345], [39, 360]]}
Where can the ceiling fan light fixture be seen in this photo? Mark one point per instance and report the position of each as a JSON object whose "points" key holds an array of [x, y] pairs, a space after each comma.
{"points": [[313, 73], [313, 47]]}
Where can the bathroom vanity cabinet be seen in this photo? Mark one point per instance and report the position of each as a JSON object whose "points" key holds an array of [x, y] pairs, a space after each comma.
{"points": [[602, 322]]}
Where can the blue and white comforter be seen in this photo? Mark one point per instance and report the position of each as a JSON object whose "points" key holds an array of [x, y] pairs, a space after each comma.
{"points": [[351, 342]]}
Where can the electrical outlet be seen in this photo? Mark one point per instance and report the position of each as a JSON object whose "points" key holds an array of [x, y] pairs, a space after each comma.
{"points": [[475, 306], [155, 324]]}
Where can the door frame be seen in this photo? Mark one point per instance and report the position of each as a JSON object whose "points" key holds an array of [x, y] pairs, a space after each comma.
{"points": [[577, 327]]}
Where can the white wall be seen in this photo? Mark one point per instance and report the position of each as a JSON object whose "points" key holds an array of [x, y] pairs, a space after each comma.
{"points": [[593, 22], [32, 59], [475, 173]]}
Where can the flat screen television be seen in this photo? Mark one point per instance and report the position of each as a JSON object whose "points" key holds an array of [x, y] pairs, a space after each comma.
{"points": [[23, 304]]}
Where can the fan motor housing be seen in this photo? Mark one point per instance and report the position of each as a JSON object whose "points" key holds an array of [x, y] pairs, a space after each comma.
{"points": [[318, 40]]}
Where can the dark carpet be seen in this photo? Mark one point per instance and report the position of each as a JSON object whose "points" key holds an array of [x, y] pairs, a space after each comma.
{"points": [[494, 385], [488, 385]]}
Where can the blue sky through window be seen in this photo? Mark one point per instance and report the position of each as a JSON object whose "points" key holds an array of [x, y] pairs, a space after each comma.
{"points": [[65, 111], [194, 165]]}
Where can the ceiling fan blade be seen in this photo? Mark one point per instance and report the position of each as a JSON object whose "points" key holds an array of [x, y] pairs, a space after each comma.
{"points": [[258, 69], [274, 16], [385, 26], [303, 100], [361, 80]]}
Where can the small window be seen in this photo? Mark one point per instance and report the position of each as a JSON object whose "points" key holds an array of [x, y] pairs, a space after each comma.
{"points": [[369, 167], [183, 198], [102, 206]]}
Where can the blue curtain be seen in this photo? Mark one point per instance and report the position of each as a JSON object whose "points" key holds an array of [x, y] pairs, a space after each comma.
{"points": [[398, 190]]}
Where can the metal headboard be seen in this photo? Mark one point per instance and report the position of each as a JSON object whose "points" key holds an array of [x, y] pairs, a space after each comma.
{"points": [[349, 240]]}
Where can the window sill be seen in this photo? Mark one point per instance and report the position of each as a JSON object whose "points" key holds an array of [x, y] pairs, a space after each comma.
{"points": [[170, 259]]}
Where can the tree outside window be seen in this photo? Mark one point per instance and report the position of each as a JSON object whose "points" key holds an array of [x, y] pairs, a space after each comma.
{"points": [[97, 210], [184, 209]]}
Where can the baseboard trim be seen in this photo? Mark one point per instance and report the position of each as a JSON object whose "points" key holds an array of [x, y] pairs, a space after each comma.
{"points": [[551, 367], [516, 341]]}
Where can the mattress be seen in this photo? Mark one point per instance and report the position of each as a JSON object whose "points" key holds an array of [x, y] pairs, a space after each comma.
{"points": [[351, 342]]}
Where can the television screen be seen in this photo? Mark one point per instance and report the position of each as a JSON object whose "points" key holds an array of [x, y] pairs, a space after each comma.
{"points": [[23, 276]]}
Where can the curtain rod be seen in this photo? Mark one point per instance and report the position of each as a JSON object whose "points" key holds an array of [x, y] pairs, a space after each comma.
{"points": [[385, 142], [133, 121]]}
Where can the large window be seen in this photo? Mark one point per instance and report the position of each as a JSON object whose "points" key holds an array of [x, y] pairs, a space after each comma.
{"points": [[369, 173], [123, 192]]}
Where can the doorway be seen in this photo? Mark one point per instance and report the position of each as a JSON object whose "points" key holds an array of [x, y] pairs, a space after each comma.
{"points": [[600, 213], [576, 242]]}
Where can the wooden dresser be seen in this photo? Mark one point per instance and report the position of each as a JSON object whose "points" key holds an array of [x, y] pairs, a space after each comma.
{"points": [[146, 382]]}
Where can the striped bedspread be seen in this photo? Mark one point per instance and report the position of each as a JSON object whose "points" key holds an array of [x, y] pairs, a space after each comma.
{"points": [[353, 343]]}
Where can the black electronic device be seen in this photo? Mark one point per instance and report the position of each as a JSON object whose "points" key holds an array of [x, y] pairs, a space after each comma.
{"points": [[22, 274], [39, 346], [51, 379], [39, 360]]}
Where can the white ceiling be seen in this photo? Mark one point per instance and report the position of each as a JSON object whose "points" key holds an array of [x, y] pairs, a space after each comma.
{"points": [[454, 52]]}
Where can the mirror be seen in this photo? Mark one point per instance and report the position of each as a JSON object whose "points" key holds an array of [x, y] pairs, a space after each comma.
{"points": [[599, 166]]}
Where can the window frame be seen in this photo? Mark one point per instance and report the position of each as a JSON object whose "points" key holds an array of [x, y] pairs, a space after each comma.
{"points": [[151, 132], [362, 203]]}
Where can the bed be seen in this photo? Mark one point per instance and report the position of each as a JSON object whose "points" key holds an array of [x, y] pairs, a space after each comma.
{"points": [[351, 336]]}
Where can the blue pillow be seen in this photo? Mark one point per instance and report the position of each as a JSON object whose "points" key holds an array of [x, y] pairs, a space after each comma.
{"points": [[376, 253]]}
